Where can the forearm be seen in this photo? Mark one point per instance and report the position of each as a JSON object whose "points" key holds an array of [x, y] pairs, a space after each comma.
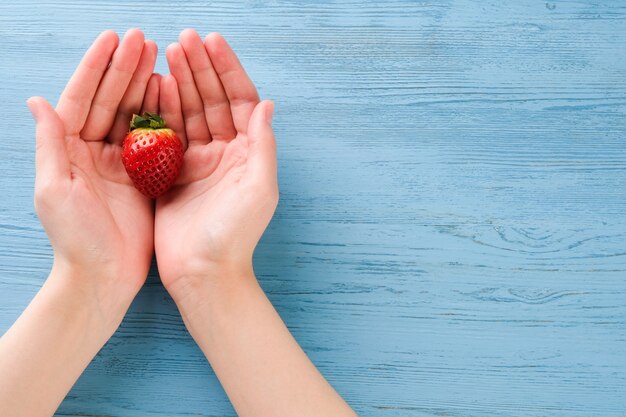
{"points": [[261, 366], [44, 352]]}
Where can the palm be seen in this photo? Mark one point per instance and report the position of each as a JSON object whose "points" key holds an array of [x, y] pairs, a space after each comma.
{"points": [[203, 216], [110, 207], [188, 217]]}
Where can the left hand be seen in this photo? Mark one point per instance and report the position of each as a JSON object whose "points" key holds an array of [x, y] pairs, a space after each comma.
{"points": [[210, 222]]}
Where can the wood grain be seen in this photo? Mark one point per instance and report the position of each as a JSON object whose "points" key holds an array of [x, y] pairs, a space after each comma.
{"points": [[451, 236]]}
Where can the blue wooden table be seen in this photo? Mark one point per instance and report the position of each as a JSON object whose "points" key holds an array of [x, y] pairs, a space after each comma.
{"points": [[451, 236]]}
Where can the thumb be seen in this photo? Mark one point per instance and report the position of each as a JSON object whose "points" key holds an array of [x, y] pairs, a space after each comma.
{"points": [[261, 142], [51, 158]]}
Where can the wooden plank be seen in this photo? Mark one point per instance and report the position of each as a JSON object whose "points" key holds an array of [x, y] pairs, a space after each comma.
{"points": [[451, 234]]}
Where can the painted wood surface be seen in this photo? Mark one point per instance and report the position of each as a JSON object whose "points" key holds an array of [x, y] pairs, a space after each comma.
{"points": [[451, 236]]}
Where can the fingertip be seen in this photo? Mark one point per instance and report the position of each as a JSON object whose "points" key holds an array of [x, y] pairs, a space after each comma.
{"points": [[210, 39], [173, 51], [169, 90], [36, 103], [134, 40], [151, 96], [213, 36], [169, 100], [264, 110], [176, 59], [154, 81], [269, 111], [134, 33], [262, 143], [187, 35], [168, 80], [155, 78], [151, 46], [33, 100], [108, 34], [33, 105], [148, 56], [220, 51], [110, 38], [261, 120]]}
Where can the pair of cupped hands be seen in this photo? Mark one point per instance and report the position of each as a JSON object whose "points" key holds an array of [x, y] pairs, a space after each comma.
{"points": [[103, 231]]}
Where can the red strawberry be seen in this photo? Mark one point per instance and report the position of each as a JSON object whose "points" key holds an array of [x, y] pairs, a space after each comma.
{"points": [[152, 154]]}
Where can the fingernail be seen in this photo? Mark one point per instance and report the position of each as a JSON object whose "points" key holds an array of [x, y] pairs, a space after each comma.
{"points": [[269, 112], [32, 107]]}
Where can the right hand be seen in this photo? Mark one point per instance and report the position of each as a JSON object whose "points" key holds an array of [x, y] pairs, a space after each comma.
{"points": [[99, 225]]}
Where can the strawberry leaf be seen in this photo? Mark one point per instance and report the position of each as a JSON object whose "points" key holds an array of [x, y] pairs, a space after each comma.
{"points": [[147, 120]]}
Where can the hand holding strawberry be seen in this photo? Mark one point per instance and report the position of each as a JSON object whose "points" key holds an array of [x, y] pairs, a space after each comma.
{"points": [[99, 225], [207, 227], [227, 190]]}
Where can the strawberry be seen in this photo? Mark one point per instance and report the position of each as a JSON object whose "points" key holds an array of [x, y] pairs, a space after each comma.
{"points": [[152, 154]]}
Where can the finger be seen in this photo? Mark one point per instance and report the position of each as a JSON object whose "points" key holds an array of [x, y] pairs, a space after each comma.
{"points": [[169, 103], [262, 144], [134, 95], [75, 102], [238, 87], [51, 158], [191, 104], [216, 105], [151, 99], [113, 86]]}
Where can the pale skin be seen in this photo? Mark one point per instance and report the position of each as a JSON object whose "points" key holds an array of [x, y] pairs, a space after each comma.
{"points": [[204, 230]]}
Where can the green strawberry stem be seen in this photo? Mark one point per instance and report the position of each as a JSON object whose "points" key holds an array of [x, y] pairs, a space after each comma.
{"points": [[147, 119]]}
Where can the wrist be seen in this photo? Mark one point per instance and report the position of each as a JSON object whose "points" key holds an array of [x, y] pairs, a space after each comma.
{"points": [[95, 295], [178, 279], [213, 288]]}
